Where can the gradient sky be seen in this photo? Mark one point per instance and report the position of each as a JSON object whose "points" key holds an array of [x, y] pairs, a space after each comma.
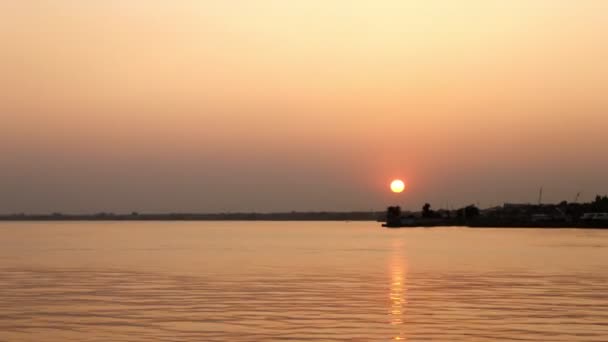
{"points": [[274, 105]]}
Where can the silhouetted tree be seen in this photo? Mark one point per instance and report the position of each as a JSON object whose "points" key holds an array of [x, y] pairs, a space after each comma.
{"points": [[426, 210], [394, 211], [600, 204], [393, 216]]}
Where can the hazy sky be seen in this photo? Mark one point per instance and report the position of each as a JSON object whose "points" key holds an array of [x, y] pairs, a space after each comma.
{"points": [[275, 105]]}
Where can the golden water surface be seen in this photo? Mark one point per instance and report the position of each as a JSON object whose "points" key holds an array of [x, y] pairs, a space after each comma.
{"points": [[299, 281]]}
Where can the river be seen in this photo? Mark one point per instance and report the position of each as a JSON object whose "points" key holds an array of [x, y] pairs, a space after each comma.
{"points": [[299, 281]]}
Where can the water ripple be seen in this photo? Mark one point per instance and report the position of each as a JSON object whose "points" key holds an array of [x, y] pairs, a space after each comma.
{"points": [[120, 305]]}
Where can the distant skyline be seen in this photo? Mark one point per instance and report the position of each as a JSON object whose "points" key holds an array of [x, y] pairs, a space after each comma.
{"points": [[268, 105]]}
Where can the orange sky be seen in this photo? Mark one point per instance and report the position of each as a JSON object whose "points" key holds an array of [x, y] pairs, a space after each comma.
{"points": [[312, 105]]}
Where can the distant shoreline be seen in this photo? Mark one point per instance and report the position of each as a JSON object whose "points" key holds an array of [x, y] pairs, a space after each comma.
{"points": [[288, 216]]}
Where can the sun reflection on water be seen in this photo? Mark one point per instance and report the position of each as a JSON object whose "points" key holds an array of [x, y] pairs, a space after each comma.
{"points": [[398, 290]]}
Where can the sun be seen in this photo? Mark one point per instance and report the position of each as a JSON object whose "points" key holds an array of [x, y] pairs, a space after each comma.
{"points": [[397, 186]]}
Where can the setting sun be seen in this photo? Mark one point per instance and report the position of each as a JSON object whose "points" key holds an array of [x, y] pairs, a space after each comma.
{"points": [[397, 186]]}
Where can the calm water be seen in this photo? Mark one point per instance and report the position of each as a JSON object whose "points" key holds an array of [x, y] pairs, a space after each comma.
{"points": [[261, 281]]}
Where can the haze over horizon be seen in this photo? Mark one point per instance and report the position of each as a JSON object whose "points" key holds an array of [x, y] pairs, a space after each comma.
{"points": [[210, 106]]}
